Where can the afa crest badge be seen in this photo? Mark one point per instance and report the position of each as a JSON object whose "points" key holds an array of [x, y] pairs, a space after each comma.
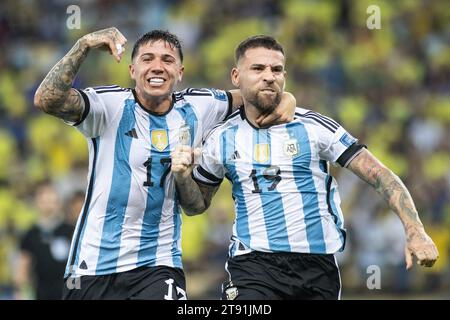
{"points": [[290, 148]]}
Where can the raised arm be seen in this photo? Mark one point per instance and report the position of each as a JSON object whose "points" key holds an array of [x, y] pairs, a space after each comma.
{"points": [[386, 183], [194, 198], [282, 114], [55, 94]]}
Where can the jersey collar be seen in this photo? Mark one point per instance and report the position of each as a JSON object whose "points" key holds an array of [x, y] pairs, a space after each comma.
{"points": [[151, 112]]}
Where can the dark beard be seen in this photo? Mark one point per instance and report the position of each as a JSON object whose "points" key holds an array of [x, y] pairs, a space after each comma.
{"points": [[265, 106]]}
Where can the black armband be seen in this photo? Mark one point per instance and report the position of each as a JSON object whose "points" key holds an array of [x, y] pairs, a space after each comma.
{"points": [[350, 153]]}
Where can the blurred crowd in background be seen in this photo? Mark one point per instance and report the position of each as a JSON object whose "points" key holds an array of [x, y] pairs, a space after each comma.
{"points": [[389, 87]]}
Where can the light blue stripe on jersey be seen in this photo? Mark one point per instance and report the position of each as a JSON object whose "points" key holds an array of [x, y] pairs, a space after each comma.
{"points": [[271, 202], [118, 195], [188, 114], [155, 198], [176, 252], [76, 251], [227, 147], [335, 212], [305, 185]]}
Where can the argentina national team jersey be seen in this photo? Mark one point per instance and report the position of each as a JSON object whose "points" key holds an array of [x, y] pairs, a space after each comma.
{"points": [[285, 198], [131, 216]]}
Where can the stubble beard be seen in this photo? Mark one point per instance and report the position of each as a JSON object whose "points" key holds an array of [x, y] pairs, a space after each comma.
{"points": [[265, 105]]}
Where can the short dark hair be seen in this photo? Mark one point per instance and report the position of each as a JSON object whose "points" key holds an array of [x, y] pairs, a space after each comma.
{"points": [[156, 35], [258, 41]]}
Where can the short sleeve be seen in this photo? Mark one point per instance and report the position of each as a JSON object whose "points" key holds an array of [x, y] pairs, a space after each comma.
{"points": [[210, 171], [335, 144], [100, 110]]}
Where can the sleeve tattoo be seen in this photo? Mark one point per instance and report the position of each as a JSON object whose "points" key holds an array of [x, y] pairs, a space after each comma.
{"points": [[194, 197], [387, 184], [55, 95]]}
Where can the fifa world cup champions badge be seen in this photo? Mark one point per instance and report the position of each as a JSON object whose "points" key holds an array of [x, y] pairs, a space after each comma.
{"points": [[185, 135]]}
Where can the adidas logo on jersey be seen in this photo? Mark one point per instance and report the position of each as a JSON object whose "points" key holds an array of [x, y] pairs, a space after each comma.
{"points": [[83, 265], [132, 133], [235, 155]]}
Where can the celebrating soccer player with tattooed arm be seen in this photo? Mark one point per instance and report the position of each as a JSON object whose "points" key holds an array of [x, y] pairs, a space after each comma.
{"points": [[226, 154], [288, 222]]}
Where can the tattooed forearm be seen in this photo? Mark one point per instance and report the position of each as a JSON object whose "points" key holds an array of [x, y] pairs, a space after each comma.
{"points": [[208, 193], [194, 198], [55, 94], [413, 233], [386, 183]]}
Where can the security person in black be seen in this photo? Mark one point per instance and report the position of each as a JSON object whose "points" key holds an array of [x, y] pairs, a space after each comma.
{"points": [[44, 248]]}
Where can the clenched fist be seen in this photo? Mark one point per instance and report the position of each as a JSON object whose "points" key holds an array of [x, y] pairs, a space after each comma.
{"points": [[420, 245], [183, 161]]}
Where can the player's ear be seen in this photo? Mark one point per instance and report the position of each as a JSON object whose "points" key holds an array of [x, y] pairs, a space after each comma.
{"points": [[131, 68], [235, 77], [180, 73]]}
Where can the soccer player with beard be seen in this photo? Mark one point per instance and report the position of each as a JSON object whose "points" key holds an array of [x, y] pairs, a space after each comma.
{"points": [[288, 223]]}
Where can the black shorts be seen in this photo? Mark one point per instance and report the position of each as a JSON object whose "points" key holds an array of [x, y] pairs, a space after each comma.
{"points": [[143, 283], [282, 276]]}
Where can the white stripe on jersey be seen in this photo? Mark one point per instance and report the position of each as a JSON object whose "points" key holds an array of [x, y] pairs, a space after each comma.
{"points": [[336, 204]]}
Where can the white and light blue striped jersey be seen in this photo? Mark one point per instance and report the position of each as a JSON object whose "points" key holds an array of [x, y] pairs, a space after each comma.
{"points": [[131, 216], [285, 198]]}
